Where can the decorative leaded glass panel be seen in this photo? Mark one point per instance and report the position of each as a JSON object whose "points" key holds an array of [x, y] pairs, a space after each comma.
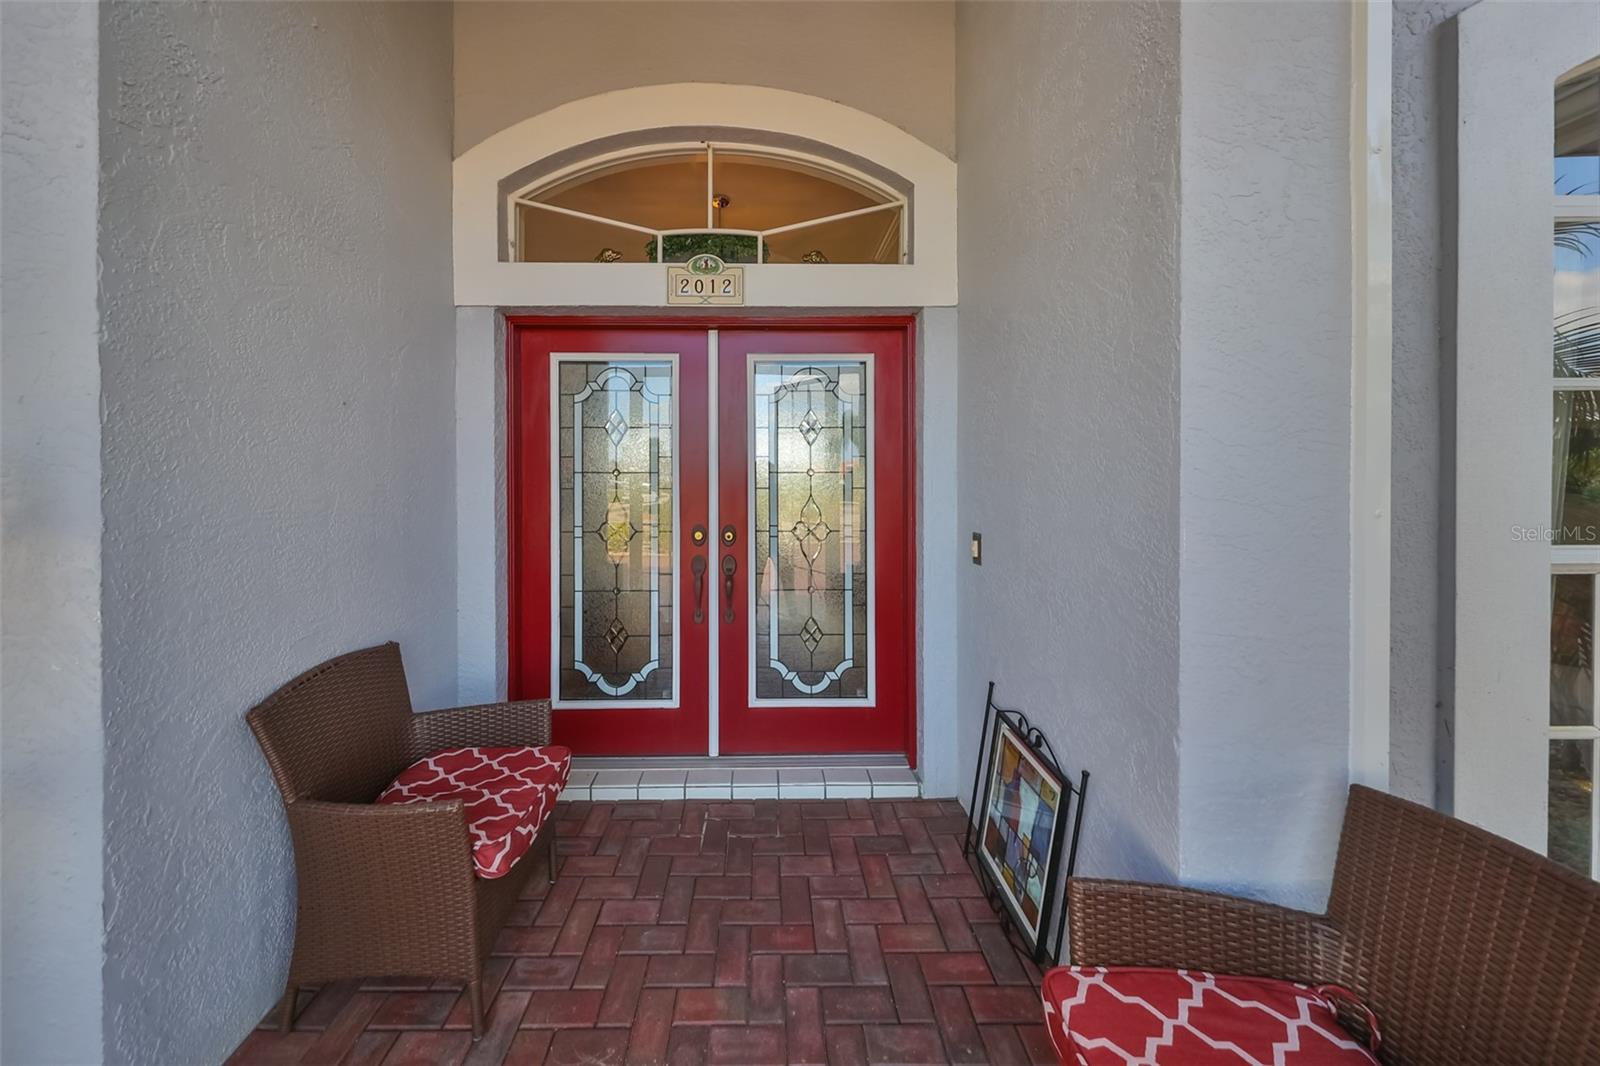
{"points": [[615, 490], [811, 504]]}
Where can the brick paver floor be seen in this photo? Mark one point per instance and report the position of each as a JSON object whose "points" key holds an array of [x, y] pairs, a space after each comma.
{"points": [[769, 931]]}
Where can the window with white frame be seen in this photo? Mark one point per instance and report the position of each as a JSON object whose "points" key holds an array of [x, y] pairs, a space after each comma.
{"points": [[1574, 731], [744, 203]]}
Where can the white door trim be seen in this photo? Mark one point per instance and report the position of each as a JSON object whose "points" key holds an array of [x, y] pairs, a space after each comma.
{"points": [[1371, 389]]}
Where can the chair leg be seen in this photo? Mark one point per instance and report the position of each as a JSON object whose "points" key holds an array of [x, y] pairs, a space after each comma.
{"points": [[475, 999], [550, 848], [291, 995]]}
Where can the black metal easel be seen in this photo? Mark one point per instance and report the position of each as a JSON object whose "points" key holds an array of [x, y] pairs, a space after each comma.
{"points": [[1072, 795]]}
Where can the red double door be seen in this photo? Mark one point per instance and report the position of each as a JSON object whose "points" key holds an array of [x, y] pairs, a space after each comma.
{"points": [[711, 544]]}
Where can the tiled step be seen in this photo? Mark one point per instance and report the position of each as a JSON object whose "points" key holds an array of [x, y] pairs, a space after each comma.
{"points": [[743, 778]]}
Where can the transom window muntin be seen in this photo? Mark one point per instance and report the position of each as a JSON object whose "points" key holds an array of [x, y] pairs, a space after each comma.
{"points": [[746, 203]]}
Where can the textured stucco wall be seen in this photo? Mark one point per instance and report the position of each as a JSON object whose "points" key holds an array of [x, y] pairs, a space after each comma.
{"points": [[1266, 444], [482, 669], [50, 734], [278, 453], [1509, 56], [894, 60], [1068, 141], [941, 553], [1421, 561]]}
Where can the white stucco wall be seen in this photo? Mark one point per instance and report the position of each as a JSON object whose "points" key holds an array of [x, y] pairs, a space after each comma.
{"points": [[1266, 445], [895, 60], [50, 734], [1508, 58], [482, 668], [941, 550], [1068, 400], [1500, 742], [1169, 592], [278, 453], [1424, 322]]}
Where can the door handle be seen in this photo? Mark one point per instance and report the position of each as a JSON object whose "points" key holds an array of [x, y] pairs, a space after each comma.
{"points": [[698, 566], [730, 566]]}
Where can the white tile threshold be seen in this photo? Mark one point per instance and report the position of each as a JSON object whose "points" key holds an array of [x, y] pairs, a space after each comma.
{"points": [[743, 777]]}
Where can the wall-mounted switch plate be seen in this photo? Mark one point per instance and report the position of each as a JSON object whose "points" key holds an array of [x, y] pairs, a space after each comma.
{"points": [[977, 549]]}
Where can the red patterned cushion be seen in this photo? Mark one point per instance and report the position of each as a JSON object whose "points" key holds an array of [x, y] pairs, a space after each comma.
{"points": [[508, 792], [1131, 1016]]}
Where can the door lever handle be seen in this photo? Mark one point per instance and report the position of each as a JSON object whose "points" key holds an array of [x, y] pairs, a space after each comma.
{"points": [[698, 566], [730, 566]]}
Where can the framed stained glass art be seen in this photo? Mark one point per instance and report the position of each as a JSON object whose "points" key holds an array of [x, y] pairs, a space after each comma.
{"points": [[1025, 822], [1019, 826]]}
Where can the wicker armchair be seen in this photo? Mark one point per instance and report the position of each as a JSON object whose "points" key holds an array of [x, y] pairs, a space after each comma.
{"points": [[385, 891], [1468, 948]]}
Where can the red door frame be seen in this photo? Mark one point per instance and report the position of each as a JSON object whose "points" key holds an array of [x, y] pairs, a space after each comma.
{"points": [[529, 675], [641, 729], [751, 728]]}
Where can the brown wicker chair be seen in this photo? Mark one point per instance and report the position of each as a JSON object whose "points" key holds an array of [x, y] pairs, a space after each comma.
{"points": [[1468, 948], [385, 891]]}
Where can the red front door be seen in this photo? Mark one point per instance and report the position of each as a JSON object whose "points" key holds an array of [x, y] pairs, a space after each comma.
{"points": [[672, 601]]}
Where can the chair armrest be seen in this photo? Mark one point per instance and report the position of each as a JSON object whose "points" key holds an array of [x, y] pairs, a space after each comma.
{"points": [[524, 724], [381, 874], [1125, 923], [348, 842]]}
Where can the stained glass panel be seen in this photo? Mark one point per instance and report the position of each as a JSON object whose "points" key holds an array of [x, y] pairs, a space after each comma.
{"points": [[810, 544], [615, 490]]}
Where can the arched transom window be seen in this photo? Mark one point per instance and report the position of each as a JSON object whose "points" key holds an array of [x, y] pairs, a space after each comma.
{"points": [[744, 203]]}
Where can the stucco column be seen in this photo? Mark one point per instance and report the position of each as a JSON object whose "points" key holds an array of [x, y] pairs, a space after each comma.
{"points": [[51, 738]]}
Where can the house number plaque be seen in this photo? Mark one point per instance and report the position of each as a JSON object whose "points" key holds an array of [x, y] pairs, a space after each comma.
{"points": [[705, 280]]}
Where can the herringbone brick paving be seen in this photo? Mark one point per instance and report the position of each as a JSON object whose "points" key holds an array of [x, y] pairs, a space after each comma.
{"points": [[745, 933]]}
